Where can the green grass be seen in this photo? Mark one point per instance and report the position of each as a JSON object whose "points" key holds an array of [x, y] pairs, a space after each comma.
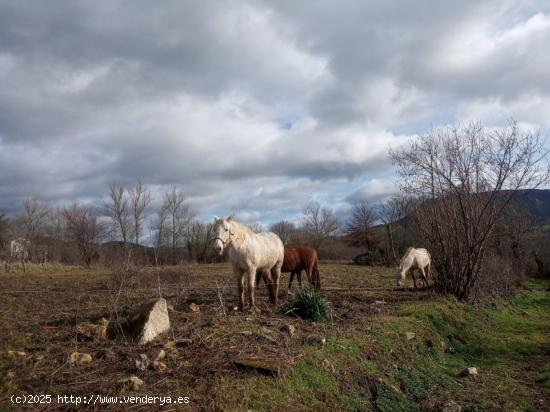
{"points": [[374, 366]]}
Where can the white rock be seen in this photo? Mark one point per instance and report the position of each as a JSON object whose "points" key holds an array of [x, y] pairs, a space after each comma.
{"points": [[78, 358], [143, 362], [470, 371], [451, 406], [147, 321], [132, 382]]}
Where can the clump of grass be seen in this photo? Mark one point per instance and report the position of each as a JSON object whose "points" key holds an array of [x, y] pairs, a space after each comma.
{"points": [[308, 304]]}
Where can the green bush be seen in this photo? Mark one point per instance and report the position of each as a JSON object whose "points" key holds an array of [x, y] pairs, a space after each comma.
{"points": [[308, 304]]}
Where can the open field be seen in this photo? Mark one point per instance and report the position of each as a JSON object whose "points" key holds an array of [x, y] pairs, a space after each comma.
{"points": [[366, 363]]}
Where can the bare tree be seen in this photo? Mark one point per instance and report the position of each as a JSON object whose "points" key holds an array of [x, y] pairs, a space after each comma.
{"points": [[359, 228], [140, 198], [319, 222], [33, 218], [465, 178], [85, 229], [391, 212], [160, 231], [257, 227], [284, 229], [118, 210], [3, 232], [178, 215], [198, 240]]}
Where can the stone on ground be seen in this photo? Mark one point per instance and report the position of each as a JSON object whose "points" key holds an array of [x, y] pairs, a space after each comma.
{"points": [[470, 371], [143, 362], [92, 331], [451, 406], [14, 354], [410, 335], [193, 307], [263, 365], [132, 382], [79, 358], [145, 322], [290, 329]]}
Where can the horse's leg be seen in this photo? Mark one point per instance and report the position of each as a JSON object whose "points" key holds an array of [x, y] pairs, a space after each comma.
{"points": [[239, 276], [258, 279], [275, 275], [299, 275], [429, 267], [289, 292], [414, 278], [250, 277], [424, 278]]}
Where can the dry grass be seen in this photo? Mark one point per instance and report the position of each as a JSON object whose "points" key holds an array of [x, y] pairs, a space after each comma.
{"points": [[41, 309]]}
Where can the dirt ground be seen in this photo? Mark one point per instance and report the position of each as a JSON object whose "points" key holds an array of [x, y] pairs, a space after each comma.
{"points": [[39, 311]]}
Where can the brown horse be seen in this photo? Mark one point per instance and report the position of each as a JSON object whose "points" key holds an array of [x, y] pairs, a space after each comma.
{"points": [[298, 258]]}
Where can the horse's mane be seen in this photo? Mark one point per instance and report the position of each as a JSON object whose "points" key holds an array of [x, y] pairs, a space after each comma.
{"points": [[241, 232], [405, 256]]}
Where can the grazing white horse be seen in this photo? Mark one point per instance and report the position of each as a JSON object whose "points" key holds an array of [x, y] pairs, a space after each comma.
{"points": [[250, 253], [415, 259]]}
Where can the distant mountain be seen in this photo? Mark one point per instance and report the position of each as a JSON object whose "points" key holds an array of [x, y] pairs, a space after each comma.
{"points": [[537, 203]]}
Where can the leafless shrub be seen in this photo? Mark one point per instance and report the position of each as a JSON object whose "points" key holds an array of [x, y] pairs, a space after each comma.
{"points": [[464, 179]]}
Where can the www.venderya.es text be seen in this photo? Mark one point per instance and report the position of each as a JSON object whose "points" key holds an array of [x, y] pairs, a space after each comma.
{"points": [[98, 399]]}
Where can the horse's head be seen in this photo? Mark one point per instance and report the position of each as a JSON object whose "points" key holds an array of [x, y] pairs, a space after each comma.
{"points": [[222, 231], [399, 276]]}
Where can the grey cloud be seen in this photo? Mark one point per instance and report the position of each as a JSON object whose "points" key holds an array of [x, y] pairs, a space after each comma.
{"points": [[223, 98]]}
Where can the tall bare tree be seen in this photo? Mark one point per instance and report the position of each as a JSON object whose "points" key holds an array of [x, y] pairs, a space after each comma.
{"points": [[284, 229], [85, 229], [3, 231], [178, 215], [160, 231], [118, 210], [465, 177], [359, 228], [140, 198], [33, 217], [319, 222]]}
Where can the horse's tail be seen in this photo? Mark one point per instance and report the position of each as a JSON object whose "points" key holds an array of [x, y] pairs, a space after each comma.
{"points": [[316, 276]]}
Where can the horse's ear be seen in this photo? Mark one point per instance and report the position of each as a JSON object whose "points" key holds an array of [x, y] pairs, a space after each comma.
{"points": [[230, 218], [216, 218]]}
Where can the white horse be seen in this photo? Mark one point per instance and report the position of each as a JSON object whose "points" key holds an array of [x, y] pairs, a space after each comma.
{"points": [[19, 250], [415, 259], [250, 253]]}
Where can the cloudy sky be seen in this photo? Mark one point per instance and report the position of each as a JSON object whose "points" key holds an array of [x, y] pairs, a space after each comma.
{"points": [[253, 107]]}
